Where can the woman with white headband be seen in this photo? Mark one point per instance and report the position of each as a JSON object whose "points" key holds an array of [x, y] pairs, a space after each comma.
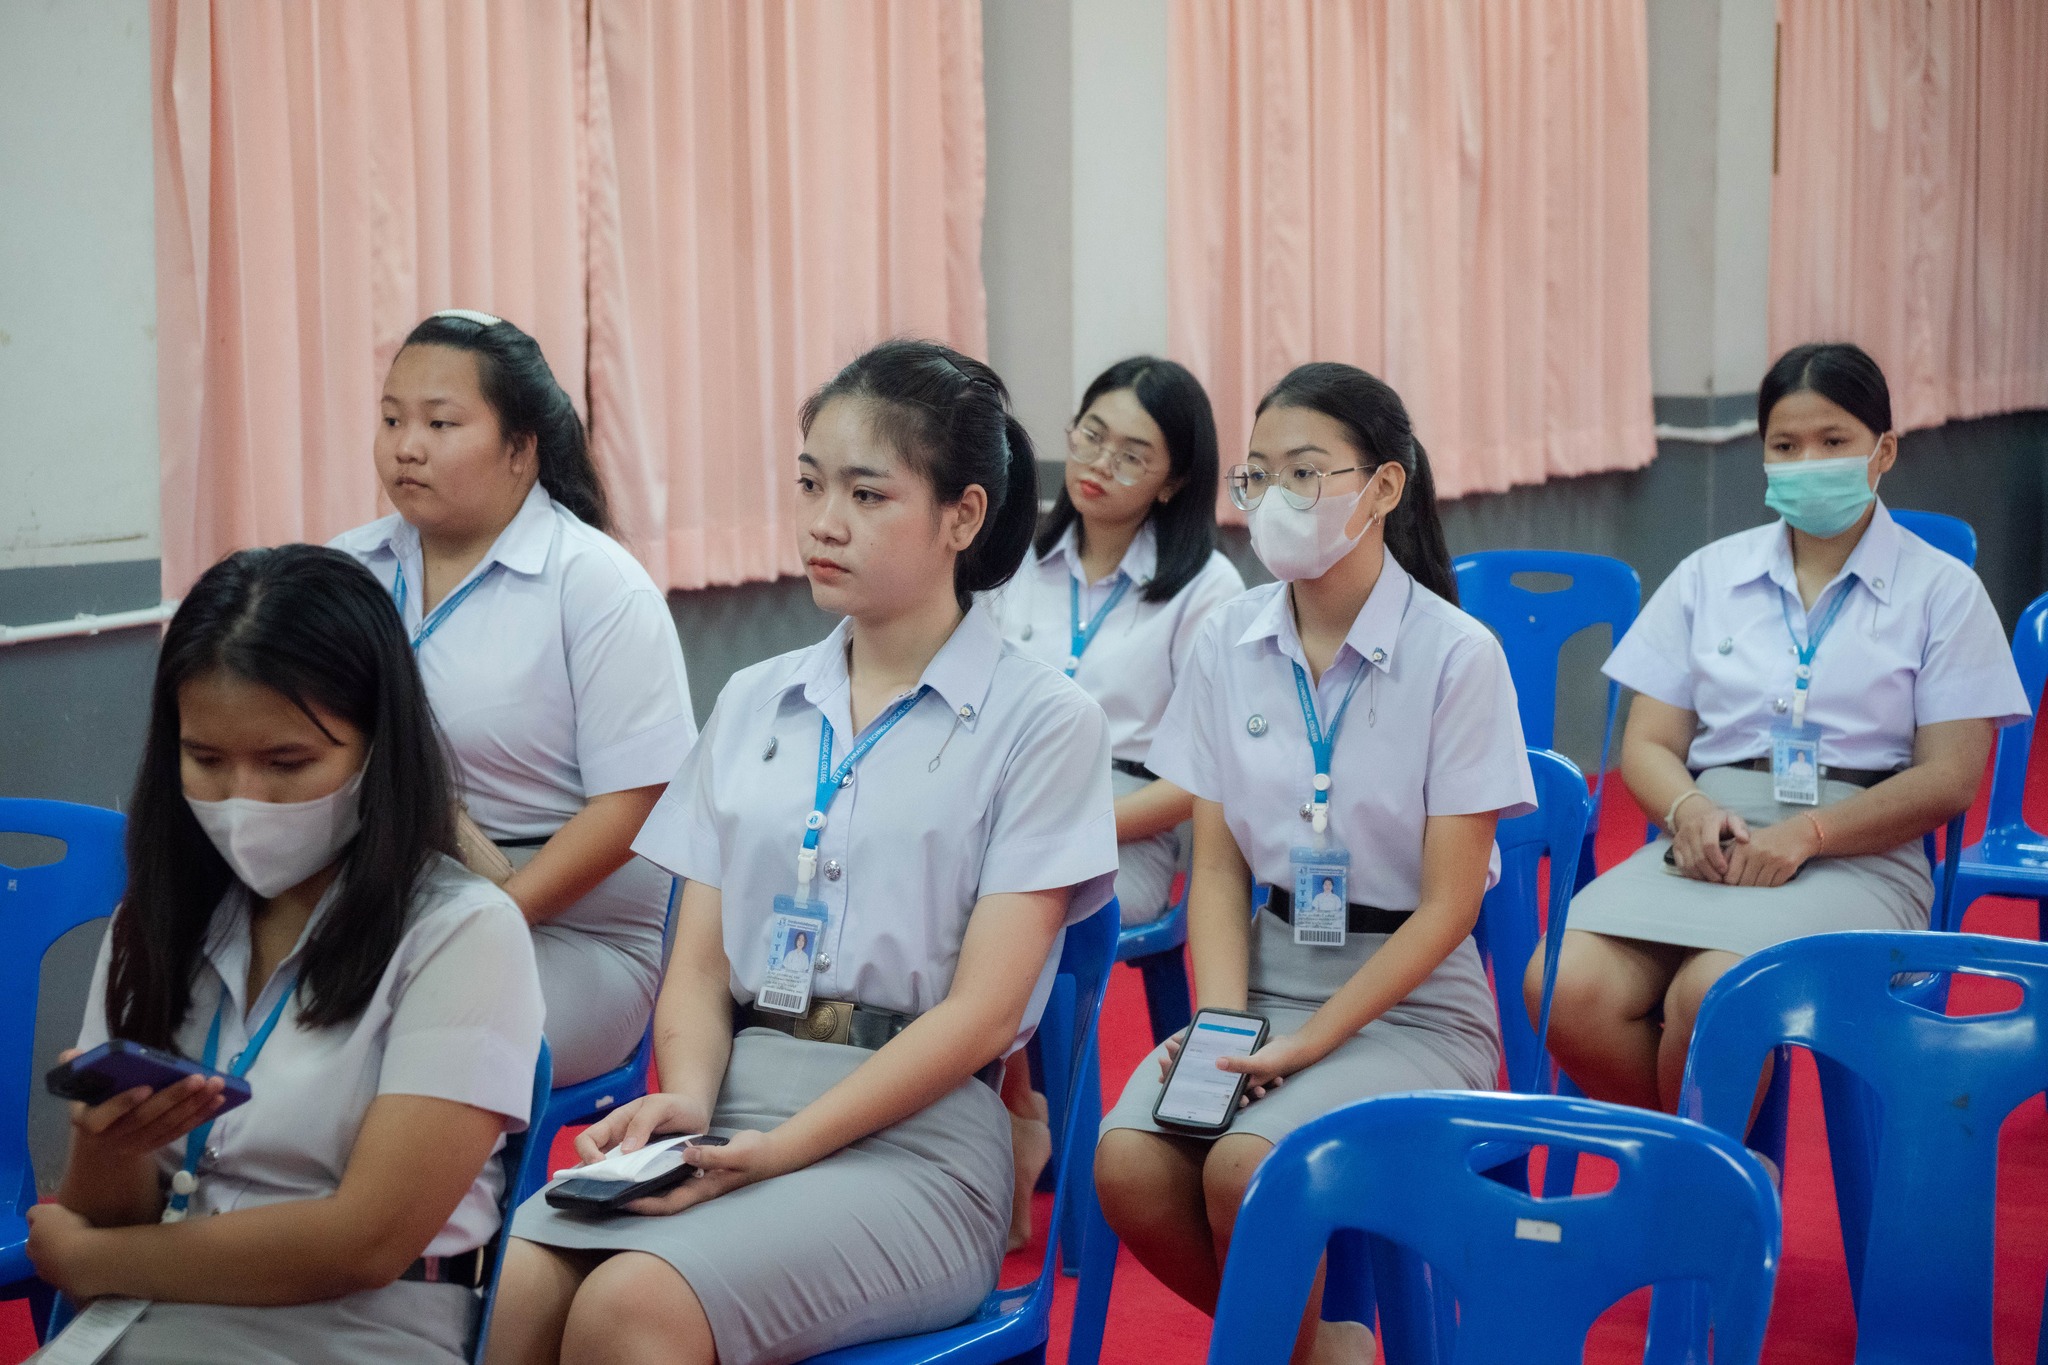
{"points": [[550, 657]]}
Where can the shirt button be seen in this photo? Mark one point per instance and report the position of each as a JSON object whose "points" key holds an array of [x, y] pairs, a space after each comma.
{"points": [[1779, 706], [1026, 632], [832, 869], [1727, 645], [213, 1151], [824, 963], [1256, 726], [847, 779], [768, 752]]}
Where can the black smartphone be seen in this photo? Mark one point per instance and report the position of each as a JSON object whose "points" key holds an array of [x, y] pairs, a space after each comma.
{"points": [[114, 1068], [576, 1195], [1197, 1098]]}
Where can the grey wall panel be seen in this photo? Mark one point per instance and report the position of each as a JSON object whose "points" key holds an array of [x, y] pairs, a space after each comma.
{"points": [[726, 629]]}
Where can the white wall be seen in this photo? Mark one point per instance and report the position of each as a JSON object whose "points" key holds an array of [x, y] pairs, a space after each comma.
{"points": [[78, 446]]}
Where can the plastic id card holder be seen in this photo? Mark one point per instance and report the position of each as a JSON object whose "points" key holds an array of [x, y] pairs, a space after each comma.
{"points": [[92, 1333], [1322, 877], [1795, 764], [794, 931]]}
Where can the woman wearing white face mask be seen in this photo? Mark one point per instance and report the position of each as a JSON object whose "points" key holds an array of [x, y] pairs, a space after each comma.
{"points": [[1351, 739], [292, 918], [1812, 697], [550, 657]]}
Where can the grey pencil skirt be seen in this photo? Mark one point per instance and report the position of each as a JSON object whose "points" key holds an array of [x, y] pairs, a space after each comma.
{"points": [[408, 1321]]}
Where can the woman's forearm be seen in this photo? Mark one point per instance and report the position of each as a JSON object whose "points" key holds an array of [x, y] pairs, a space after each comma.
{"points": [[1656, 777], [108, 1190], [1219, 913], [1404, 962], [1152, 809], [595, 843], [693, 1031]]}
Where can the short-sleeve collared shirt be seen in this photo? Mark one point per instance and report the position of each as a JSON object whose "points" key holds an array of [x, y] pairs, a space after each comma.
{"points": [[1431, 730], [997, 780], [558, 679], [1141, 648], [456, 1016], [1917, 642]]}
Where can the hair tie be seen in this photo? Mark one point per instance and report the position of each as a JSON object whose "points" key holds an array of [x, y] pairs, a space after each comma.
{"points": [[470, 315]]}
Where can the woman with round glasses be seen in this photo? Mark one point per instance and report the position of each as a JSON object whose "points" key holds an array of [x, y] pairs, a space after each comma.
{"points": [[1123, 573], [1350, 738]]}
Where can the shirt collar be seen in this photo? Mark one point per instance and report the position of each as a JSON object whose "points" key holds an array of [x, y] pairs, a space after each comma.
{"points": [[1139, 564], [1874, 562], [227, 945], [1373, 635], [521, 547], [961, 672]]}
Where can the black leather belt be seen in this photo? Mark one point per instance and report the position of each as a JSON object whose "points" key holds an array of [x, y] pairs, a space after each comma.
{"points": [[1855, 777], [1130, 769], [1358, 919], [847, 1023], [535, 842], [468, 1269]]}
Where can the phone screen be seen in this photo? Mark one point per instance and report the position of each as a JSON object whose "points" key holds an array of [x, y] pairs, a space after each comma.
{"points": [[1198, 1092]]}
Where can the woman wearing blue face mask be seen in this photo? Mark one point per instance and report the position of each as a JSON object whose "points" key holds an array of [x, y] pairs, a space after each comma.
{"points": [[1812, 697]]}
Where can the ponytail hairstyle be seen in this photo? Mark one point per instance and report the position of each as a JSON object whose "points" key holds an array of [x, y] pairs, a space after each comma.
{"points": [[1839, 371], [523, 392], [948, 416], [312, 625], [1185, 524], [1376, 422]]}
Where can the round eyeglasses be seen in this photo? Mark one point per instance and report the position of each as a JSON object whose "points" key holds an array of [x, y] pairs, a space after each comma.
{"points": [[1086, 447], [1300, 484]]}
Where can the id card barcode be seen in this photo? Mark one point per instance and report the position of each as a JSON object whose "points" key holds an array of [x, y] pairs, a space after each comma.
{"points": [[1322, 938], [788, 1002]]}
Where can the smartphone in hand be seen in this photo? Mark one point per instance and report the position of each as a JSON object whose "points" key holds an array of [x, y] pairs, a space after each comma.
{"points": [[660, 1173], [1198, 1098], [113, 1068]]}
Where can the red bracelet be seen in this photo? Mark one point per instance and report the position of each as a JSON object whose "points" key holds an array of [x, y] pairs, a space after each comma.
{"points": [[1818, 833]]}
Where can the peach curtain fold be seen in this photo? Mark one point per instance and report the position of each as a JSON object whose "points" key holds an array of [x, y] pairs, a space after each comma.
{"points": [[699, 210], [791, 182], [1909, 212], [1454, 196]]}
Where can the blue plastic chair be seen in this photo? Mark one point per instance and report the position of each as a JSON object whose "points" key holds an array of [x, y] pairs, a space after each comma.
{"points": [[525, 1162], [2012, 857], [1950, 535], [1914, 1102], [1507, 928], [588, 1101], [1533, 628], [38, 906], [1529, 1276], [1013, 1324]]}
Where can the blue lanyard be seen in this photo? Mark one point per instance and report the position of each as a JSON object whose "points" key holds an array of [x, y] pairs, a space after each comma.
{"points": [[1083, 636], [442, 612], [187, 1179], [1803, 677], [830, 779], [1323, 743]]}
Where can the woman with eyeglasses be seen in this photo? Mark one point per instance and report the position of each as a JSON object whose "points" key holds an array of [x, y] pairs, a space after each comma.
{"points": [[1122, 575], [1350, 739], [1812, 696]]}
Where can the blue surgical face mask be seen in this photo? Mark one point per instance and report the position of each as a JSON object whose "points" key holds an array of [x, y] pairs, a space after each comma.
{"points": [[1820, 497]]}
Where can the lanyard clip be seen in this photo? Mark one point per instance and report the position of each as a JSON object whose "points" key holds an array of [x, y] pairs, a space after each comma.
{"points": [[1319, 814], [806, 869]]}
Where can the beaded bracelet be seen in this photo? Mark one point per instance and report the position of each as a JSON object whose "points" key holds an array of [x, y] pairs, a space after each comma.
{"points": [[1820, 835]]}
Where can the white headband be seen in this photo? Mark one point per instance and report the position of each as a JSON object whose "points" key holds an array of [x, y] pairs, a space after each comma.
{"points": [[470, 315]]}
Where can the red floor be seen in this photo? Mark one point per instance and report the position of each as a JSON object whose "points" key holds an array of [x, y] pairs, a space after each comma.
{"points": [[1811, 1322]]}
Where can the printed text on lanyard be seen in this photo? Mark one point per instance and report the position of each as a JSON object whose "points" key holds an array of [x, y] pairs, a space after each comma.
{"points": [[1080, 636]]}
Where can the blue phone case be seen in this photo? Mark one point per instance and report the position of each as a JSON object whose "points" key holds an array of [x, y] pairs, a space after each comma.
{"points": [[112, 1068]]}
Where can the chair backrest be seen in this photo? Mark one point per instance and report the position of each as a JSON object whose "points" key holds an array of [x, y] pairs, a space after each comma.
{"points": [[1530, 1275], [38, 906], [1508, 923], [1533, 626], [1915, 1102], [2016, 742], [1950, 535], [522, 1160]]}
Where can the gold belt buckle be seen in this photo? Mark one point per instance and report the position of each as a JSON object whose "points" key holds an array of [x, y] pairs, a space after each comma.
{"points": [[828, 1021]]}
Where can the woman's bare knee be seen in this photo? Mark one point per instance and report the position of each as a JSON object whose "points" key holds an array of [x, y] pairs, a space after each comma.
{"points": [[635, 1309], [532, 1303], [1225, 1174], [1138, 1176]]}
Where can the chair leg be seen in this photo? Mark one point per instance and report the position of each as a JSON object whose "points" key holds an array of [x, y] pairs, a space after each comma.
{"points": [[1053, 1063], [1098, 1276], [1081, 1182], [1167, 1003]]}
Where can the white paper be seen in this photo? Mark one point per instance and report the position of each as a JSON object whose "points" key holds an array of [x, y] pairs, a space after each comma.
{"points": [[630, 1168], [92, 1333]]}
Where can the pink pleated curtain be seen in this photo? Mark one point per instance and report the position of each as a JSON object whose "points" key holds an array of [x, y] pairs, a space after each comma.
{"points": [[699, 210], [1451, 195], [1909, 212]]}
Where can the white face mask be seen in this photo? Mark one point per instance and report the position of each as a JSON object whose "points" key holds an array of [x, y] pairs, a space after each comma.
{"points": [[274, 845], [1295, 544]]}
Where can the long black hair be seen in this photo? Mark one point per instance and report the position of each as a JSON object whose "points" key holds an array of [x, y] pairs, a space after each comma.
{"points": [[523, 392], [1184, 524], [1839, 371], [948, 416], [1376, 421], [311, 624]]}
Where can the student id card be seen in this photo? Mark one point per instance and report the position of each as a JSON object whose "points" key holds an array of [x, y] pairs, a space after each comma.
{"points": [[1795, 764], [92, 1333], [1321, 904], [794, 932]]}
